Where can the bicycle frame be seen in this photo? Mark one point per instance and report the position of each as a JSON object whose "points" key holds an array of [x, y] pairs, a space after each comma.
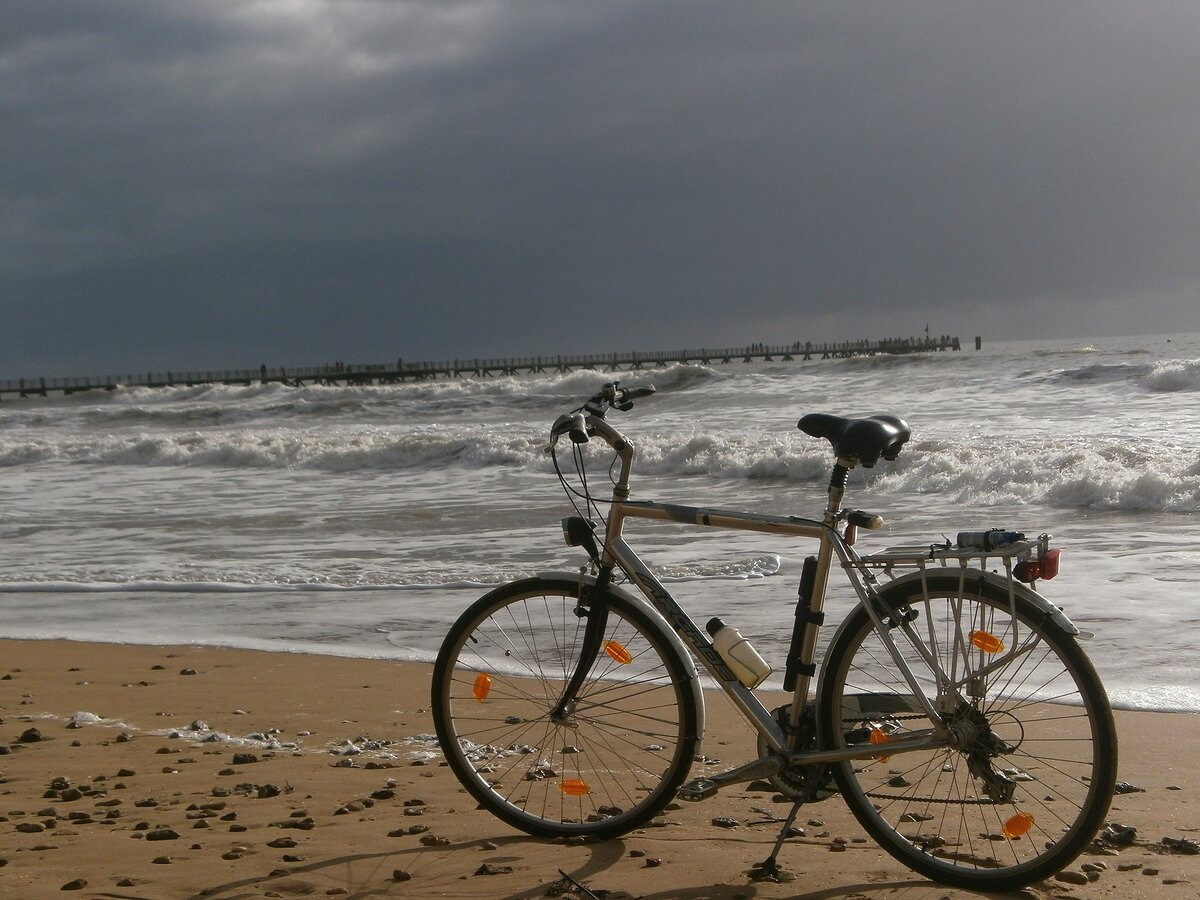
{"points": [[616, 552]]}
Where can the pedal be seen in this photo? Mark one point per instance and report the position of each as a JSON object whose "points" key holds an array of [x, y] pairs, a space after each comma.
{"points": [[697, 789]]}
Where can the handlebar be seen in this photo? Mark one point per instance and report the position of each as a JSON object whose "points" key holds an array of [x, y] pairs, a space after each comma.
{"points": [[611, 396]]}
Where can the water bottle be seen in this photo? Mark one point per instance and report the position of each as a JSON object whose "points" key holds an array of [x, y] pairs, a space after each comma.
{"points": [[750, 668], [988, 540]]}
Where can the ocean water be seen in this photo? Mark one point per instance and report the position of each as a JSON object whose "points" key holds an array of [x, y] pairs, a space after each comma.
{"points": [[361, 520]]}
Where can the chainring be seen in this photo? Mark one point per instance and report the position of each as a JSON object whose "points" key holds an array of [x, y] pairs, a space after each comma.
{"points": [[807, 784]]}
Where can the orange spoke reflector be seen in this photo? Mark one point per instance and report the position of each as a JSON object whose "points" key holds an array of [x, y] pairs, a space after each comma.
{"points": [[878, 737], [483, 686], [618, 652], [573, 787], [987, 642], [1018, 825]]}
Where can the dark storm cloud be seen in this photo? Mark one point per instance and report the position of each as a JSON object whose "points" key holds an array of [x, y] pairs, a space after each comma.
{"points": [[199, 183]]}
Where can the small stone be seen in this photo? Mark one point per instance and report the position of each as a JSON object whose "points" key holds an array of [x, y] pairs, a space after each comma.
{"points": [[490, 869], [187, 671], [653, 862], [1070, 876], [837, 848], [244, 759], [161, 860], [1120, 835], [1150, 870], [125, 773], [163, 834], [400, 875], [637, 854], [77, 885], [1124, 787], [282, 843], [1181, 845], [30, 827], [30, 736], [725, 822]]}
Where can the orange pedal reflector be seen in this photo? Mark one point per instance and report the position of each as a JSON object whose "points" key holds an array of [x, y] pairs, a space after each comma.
{"points": [[987, 642], [1018, 825], [618, 652], [483, 686], [573, 787]]}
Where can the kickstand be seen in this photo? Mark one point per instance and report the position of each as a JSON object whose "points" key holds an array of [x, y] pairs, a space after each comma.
{"points": [[769, 867]]}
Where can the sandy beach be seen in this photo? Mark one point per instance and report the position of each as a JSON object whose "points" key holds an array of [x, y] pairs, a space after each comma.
{"points": [[181, 772]]}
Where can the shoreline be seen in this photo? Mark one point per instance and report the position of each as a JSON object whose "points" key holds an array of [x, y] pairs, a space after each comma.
{"points": [[218, 772]]}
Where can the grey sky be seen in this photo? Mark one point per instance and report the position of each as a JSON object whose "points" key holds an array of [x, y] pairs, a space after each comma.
{"points": [[209, 183]]}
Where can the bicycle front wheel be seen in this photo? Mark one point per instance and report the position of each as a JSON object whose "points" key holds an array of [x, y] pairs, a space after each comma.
{"points": [[1028, 771], [604, 766]]}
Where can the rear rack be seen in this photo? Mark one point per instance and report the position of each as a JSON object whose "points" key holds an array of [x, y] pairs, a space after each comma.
{"points": [[1023, 560], [919, 556]]}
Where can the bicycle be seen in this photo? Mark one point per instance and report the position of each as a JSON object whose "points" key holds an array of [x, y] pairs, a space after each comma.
{"points": [[953, 710]]}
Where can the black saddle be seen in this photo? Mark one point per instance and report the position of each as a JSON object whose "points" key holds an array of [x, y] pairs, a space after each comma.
{"points": [[862, 439]]}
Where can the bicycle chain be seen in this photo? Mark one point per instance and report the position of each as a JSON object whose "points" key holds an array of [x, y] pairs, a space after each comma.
{"points": [[876, 796]]}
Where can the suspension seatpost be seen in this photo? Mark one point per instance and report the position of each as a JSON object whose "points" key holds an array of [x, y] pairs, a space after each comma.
{"points": [[837, 488]]}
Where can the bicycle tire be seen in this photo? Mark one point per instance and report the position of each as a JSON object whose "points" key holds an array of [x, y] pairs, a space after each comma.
{"points": [[628, 743], [928, 809]]}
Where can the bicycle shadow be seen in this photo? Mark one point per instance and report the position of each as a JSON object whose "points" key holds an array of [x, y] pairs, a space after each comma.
{"points": [[361, 876], [366, 875]]}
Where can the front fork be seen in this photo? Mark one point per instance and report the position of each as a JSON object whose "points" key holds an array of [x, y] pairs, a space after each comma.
{"points": [[591, 604]]}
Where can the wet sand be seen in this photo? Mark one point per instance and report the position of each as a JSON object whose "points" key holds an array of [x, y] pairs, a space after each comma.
{"points": [[181, 772]]}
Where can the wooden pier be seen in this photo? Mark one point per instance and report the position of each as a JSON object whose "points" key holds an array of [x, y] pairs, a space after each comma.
{"points": [[402, 371]]}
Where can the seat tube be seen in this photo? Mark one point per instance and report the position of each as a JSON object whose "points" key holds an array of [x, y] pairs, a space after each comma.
{"points": [[808, 649]]}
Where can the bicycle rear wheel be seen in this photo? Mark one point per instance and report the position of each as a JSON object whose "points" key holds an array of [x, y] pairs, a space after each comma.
{"points": [[1025, 781], [621, 751]]}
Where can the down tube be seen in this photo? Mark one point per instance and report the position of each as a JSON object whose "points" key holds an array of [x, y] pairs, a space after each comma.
{"points": [[679, 621]]}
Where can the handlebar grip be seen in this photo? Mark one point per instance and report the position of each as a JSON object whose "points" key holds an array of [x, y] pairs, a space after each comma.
{"points": [[638, 392]]}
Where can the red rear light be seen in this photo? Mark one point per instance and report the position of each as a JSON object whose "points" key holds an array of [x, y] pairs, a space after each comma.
{"points": [[1049, 563], [1030, 570]]}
